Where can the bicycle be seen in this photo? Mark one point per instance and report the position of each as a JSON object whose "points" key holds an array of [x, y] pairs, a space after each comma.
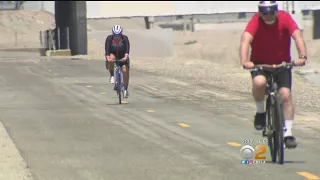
{"points": [[118, 85], [275, 119]]}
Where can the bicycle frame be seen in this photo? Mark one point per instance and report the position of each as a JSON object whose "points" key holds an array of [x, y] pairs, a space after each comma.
{"points": [[272, 92], [275, 120]]}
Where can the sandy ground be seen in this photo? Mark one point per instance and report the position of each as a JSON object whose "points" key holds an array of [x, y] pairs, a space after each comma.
{"points": [[211, 62], [21, 29]]}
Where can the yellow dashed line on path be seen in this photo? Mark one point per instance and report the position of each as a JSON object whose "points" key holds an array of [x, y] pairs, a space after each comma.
{"points": [[50, 70], [150, 110], [234, 144], [124, 102], [102, 93], [76, 81], [89, 86], [308, 175], [184, 125]]}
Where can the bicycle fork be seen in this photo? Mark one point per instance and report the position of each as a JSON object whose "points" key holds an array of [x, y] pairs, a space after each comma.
{"points": [[268, 130]]}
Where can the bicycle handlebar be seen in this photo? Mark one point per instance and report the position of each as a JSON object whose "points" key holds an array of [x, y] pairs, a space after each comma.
{"points": [[284, 65], [117, 60]]}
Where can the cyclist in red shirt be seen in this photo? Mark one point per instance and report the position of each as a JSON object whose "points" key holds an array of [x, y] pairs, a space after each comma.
{"points": [[269, 33]]}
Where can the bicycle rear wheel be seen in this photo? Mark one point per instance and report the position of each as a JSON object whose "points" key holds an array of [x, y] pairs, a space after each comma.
{"points": [[279, 141]]}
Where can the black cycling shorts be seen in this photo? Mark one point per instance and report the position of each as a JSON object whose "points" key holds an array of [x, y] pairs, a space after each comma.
{"points": [[283, 78]]}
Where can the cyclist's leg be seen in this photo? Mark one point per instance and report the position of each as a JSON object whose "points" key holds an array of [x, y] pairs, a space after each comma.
{"points": [[258, 91], [111, 68], [125, 72], [285, 82]]}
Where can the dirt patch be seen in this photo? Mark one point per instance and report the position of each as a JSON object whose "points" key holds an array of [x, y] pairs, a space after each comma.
{"points": [[20, 29]]}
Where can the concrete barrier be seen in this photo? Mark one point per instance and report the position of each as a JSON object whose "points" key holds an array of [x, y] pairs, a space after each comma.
{"points": [[143, 43], [23, 50], [61, 52]]}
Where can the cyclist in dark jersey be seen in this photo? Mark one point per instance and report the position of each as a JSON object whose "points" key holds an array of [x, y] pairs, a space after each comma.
{"points": [[117, 46]]}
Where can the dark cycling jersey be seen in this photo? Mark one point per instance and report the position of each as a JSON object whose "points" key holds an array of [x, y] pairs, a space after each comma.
{"points": [[118, 48]]}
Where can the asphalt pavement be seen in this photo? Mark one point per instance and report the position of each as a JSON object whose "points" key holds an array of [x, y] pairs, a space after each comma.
{"points": [[64, 118]]}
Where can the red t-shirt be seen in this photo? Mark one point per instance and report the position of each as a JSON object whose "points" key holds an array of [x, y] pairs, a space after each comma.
{"points": [[271, 43]]}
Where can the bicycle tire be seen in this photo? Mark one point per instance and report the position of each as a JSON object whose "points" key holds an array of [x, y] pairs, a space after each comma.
{"points": [[119, 95], [119, 87], [279, 128], [269, 127]]}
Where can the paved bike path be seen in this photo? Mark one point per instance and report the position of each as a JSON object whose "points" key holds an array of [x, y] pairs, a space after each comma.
{"points": [[66, 122]]}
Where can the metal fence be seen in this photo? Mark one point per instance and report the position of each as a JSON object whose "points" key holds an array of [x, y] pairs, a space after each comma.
{"points": [[47, 39], [55, 39]]}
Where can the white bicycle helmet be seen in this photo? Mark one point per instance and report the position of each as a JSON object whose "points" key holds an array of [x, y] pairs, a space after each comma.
{"points": [[268, 7], [117, 30]]}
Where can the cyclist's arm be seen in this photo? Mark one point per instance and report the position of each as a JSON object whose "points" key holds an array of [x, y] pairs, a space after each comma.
{"points": [[247, 38], [297, 36], [127, 43], [107, 46]]}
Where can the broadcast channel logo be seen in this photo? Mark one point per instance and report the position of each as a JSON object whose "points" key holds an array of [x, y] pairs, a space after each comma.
{"points": [[252, 155]]}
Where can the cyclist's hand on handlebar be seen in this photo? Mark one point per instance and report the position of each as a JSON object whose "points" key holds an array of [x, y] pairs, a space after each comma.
{"points": [[124, 59], [108, 59], [248, 65], [300, 62]]}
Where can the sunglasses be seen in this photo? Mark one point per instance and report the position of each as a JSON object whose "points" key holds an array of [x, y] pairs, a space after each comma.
{"points": [[269, 13]]}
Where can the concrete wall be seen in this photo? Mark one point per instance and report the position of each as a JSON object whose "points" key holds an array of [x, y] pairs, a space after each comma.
{"points": [[7, 5], [38, 5], [101, 9]]}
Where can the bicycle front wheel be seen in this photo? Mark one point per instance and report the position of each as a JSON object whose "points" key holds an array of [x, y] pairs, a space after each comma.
{"points": [[270, 128], [279, 125], [118, 84], [119, 95], [119, 91]]}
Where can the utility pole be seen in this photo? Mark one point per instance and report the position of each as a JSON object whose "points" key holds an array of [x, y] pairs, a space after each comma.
{"points": [[292, 7]]}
